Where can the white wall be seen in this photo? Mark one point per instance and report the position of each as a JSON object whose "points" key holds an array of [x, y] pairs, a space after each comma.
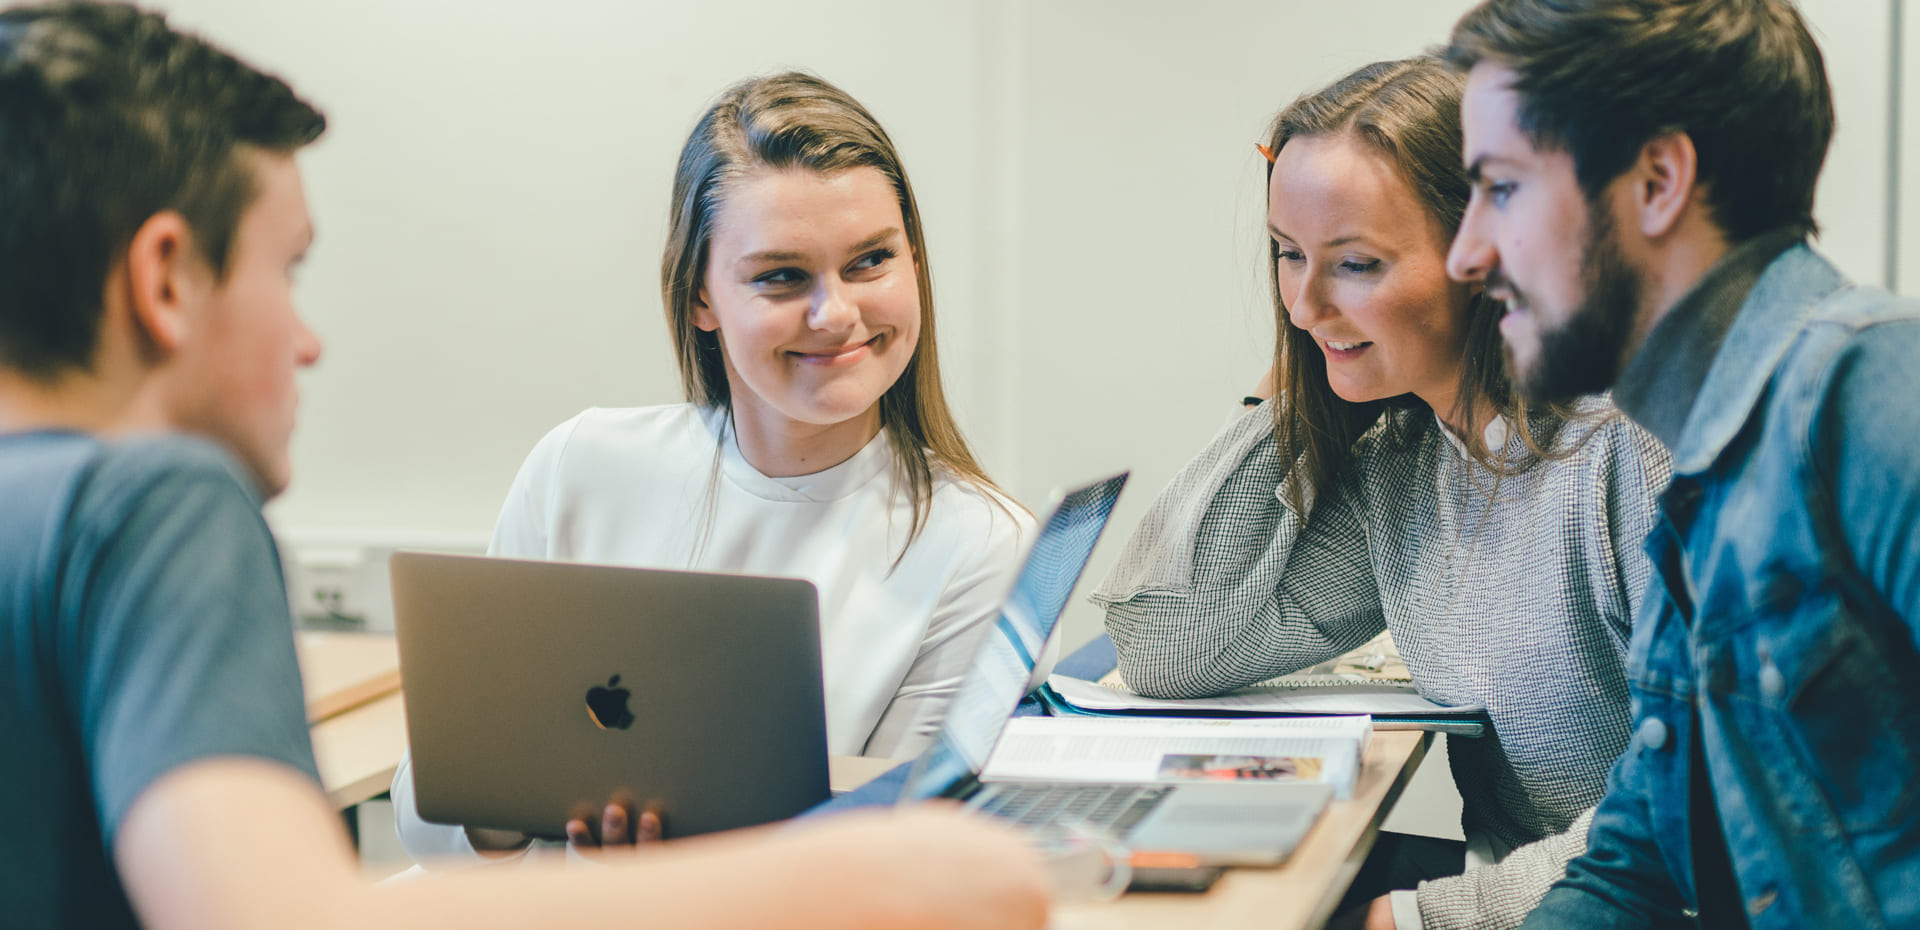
{"points": [[1852, 203], [491, 202], [1138, 315], [1908, 279]]}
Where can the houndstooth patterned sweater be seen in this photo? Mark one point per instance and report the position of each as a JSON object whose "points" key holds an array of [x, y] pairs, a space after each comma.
{"points": [[1520, 601]]}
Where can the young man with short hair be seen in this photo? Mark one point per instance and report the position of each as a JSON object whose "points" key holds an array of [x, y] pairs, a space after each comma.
{"points": [[1643, 176], [157, 769]]}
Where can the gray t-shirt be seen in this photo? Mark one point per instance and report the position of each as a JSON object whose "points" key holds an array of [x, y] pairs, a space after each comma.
{"points": [[143, 626]]}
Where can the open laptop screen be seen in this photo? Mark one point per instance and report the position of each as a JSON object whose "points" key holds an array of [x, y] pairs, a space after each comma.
{"points": [[996, 680]]}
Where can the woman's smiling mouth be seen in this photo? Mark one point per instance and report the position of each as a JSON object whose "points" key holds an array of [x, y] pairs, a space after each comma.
{"points": [[1343, 351], [839, 355]]}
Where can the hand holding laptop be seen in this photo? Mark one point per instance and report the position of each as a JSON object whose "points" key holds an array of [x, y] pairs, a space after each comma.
{"points": [[620, 824]]}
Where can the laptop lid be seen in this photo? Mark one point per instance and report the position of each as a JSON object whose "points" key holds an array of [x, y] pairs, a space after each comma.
{"points": [[537, 691], [997, 678]]}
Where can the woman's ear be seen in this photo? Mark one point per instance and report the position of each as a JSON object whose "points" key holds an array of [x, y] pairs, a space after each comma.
{"points": [[166, 282], [703, 315]]}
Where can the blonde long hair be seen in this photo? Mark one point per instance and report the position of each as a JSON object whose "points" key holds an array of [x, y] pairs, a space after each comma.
{"points": [[798, 121]]}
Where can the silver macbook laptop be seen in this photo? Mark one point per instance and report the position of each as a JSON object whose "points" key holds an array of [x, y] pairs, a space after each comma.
{"points": [[1237, 824], [537, 691]]}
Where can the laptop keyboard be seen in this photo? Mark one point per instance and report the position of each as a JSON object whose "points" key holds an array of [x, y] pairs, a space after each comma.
{"points": [[1113, 809]]}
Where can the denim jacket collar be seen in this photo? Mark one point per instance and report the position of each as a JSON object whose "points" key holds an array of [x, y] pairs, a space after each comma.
{"points": [[1657, 389]]}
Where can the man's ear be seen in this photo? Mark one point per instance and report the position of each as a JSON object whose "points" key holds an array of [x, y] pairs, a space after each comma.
{"points": [[166, 279], [1664, 182]]}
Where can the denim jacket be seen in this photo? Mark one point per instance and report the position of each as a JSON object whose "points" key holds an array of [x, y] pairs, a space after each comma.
{"points": [[1782, 617]]}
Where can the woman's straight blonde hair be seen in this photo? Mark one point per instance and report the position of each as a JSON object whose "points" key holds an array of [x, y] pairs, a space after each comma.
{"points": [[796, 121]]}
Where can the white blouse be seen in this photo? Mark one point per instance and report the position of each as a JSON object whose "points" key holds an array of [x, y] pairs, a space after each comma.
{"points": [[659, 487]]}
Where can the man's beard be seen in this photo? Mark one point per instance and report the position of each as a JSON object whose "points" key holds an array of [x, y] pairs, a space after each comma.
{"points": [[1583, 354]]}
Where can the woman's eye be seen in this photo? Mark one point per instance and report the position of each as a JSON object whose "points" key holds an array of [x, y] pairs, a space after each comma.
{"points": [[1499, 191], [780, 277], [1290, 255], [1358, 266], [872, 260]]}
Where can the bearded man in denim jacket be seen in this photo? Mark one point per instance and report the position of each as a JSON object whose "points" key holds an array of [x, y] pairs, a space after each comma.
{"points": [[1643, 193]]}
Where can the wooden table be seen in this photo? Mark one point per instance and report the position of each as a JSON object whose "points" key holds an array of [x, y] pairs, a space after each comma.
{"points": [[1300, 893], [341, 671], [360, 731], [359, 750], [359, 719]]}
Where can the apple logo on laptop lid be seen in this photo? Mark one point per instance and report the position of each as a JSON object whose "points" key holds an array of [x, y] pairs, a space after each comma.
{"points": [[607, 706]]}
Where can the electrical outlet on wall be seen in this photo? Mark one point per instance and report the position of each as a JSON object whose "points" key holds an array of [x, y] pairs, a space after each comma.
{"points": [[339, 581], [328, 587]]}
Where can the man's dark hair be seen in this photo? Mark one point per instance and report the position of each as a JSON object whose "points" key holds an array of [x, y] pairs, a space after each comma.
{"points": [[1598, 79], [107, 117]]}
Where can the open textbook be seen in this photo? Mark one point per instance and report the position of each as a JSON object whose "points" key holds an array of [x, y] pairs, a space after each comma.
{"points": [[1168, 750]]}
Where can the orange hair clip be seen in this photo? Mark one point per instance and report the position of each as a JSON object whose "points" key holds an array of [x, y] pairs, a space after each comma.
{"points": [[1262, 146]]}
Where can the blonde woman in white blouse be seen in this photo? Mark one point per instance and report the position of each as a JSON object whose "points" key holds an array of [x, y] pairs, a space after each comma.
{"points": [[815, 441]]}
